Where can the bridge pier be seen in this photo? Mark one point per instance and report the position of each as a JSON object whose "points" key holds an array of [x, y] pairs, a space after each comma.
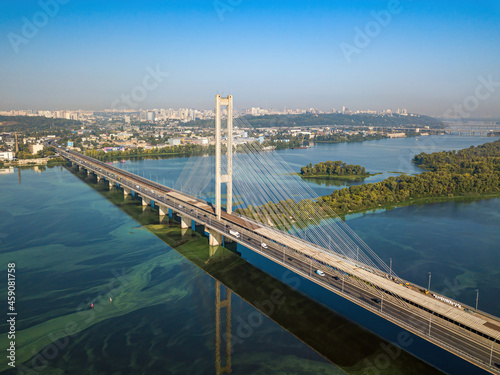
{"points": [[144, 201], [126, 191], [99, 178], [214, 238], [162, 211], [110, 183], [185, 222]]}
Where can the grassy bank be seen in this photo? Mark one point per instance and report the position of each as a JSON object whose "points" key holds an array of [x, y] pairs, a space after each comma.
{"points": [[420, 201]]}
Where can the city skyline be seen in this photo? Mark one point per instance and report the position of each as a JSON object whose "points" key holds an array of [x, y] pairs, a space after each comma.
{"points": [[433, 59], [190, 114]]}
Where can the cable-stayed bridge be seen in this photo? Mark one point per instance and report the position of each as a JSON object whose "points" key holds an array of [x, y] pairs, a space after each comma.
{"points": [[285, 224]]}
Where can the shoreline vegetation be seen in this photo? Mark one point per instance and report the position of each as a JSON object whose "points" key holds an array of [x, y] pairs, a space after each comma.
{"points": [[468, 174], [422, 201], [335, 170], [202, 150]]}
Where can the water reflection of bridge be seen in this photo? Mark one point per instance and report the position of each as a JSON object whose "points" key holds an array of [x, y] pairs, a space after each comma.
{"points": [[221, 304]]}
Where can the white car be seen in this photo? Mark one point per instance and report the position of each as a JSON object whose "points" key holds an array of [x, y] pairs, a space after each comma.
{"points": [[319, 272], [234, 233], [263, 245]]}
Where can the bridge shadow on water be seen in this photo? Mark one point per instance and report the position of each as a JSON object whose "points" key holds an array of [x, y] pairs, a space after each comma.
{"points": [[355, 340]]}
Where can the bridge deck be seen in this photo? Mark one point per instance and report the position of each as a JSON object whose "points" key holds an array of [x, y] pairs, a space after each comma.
{"points": [[424, 300]]}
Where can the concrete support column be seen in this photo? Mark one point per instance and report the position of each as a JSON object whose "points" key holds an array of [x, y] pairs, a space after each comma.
{"points": [[214, 238], [98, 177], [162, 211], [126, 191], [185, 222], [111, 183], [145, 201]]}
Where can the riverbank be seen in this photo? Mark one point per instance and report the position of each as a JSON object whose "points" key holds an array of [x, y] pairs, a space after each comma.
{"points": [[27, 162], [420, 201]]}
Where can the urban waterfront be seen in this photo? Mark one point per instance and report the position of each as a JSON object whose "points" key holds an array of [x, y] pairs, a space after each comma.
{"points": [[162, 311]]}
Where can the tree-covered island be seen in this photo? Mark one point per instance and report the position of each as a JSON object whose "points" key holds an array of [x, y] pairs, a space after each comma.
{"points": [[334, 170]]}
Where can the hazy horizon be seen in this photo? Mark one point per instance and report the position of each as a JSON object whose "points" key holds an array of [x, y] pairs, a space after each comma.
{"points": [[429, 58]]}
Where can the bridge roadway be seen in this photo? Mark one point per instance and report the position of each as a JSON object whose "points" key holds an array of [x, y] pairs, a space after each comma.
{"points": [[471, 336]]}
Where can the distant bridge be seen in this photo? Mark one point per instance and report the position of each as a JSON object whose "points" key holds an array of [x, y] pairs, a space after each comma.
{"points": [[459, 329], [472, 129]]}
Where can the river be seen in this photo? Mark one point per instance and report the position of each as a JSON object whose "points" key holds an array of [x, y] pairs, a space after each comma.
{"points": [[154, 286]]}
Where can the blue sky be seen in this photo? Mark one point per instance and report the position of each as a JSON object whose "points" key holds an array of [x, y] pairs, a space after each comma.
{"points": [[428, 57]]}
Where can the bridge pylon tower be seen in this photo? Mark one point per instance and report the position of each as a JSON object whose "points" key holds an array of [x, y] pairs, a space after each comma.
{"points": [[219, 177]]}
